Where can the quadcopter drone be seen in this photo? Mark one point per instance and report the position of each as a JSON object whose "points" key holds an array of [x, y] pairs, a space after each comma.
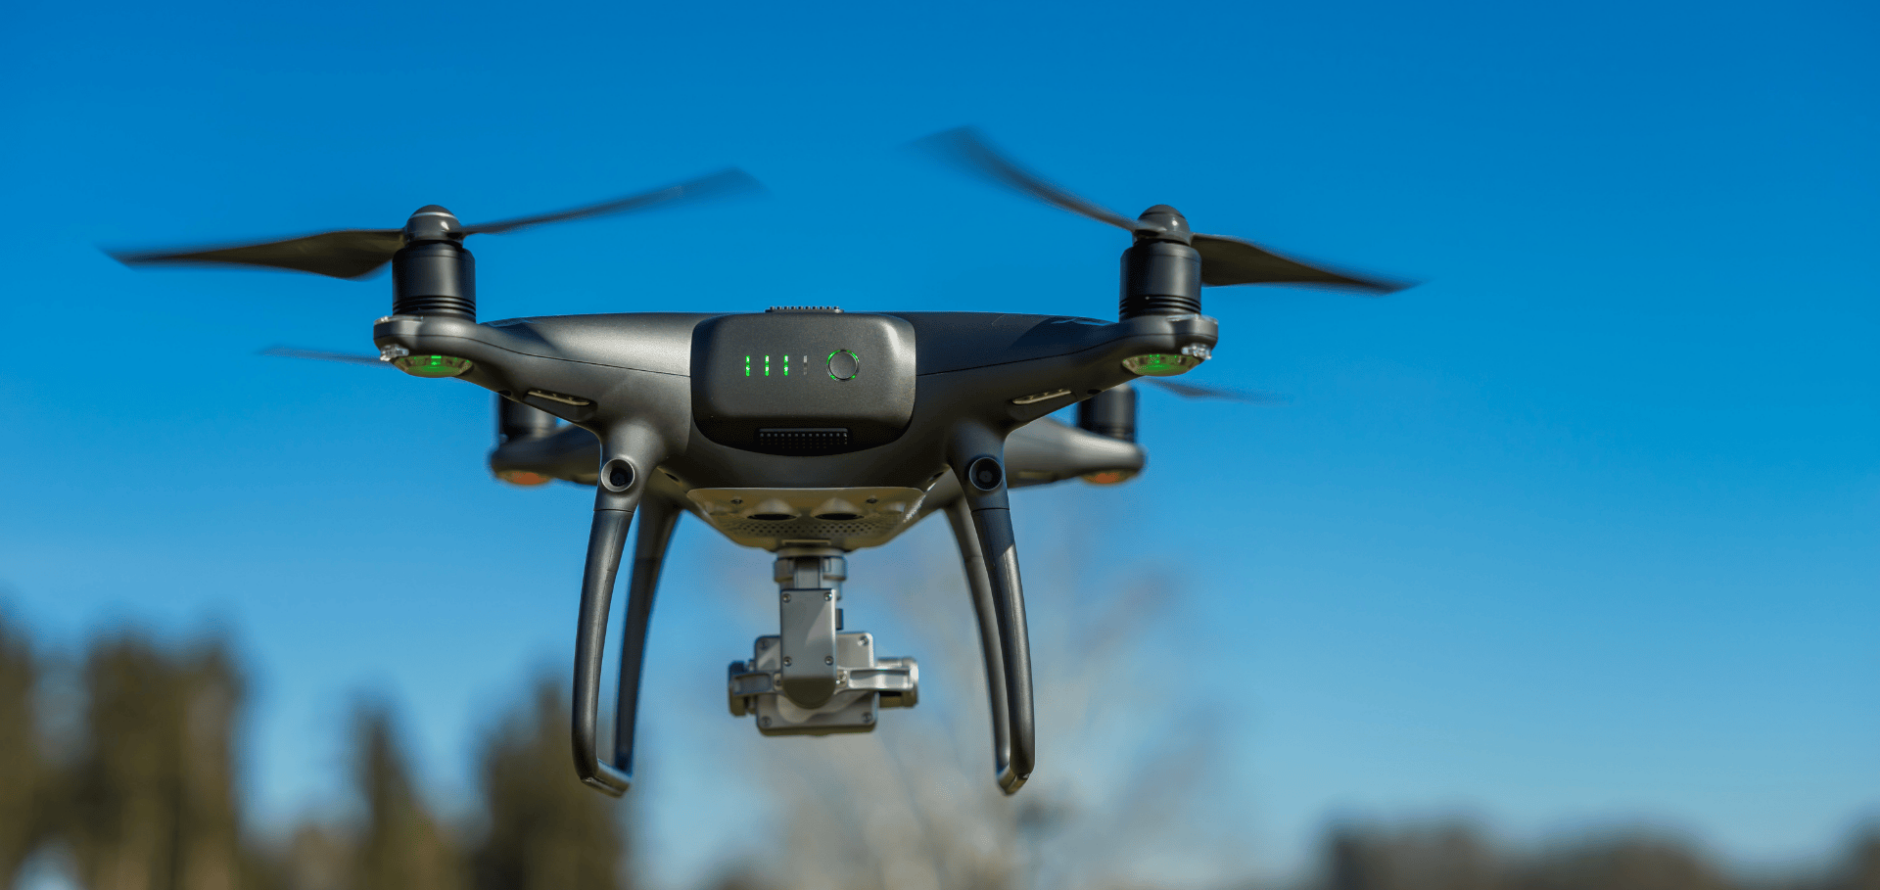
{"points": [[806, 431]]}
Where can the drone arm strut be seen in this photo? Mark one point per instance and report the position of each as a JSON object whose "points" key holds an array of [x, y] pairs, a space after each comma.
{"points": [[979, 585], [657, 518], [977, 457], [627, 456]]}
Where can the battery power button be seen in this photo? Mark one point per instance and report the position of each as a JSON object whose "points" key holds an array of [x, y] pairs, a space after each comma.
{"points": [[844, 365]]}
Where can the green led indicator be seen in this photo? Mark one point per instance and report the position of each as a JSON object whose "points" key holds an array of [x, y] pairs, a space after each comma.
{"points": [[433, 365], [1154, 363], [1160, 364], [786, 366], [766, 366], [747, 366]]}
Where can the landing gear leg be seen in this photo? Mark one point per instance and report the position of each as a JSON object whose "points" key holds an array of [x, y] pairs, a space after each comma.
{"points": [[626, 458], [979, 586], [978, 459]]}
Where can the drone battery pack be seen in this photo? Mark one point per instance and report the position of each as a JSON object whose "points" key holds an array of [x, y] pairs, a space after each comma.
{"points": [[803, 382]]}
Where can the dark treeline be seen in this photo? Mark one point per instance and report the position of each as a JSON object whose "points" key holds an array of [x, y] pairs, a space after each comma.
{"points": [[141, 792], [127, 775], [1458, 857]]}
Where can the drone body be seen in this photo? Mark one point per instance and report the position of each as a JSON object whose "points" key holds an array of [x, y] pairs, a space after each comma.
{"points": [[811, 433], [806, 431]]}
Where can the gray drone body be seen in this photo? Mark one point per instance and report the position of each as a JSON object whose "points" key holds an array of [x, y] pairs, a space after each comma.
{"points": [[809, 432]]}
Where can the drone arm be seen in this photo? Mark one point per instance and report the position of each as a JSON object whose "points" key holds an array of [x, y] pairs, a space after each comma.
{"points": [[977, 457], [627, 456], [979, 585]]}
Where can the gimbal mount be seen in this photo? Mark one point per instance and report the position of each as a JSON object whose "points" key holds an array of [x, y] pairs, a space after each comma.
{"points": [[812, 678]]}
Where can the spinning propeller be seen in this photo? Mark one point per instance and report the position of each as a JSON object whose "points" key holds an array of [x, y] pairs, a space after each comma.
{"points": [[1192, 391], [356, 253], [1224, 260]]}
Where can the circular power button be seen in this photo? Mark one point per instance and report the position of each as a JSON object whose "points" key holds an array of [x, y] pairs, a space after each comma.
{"points": [[844, 365]]}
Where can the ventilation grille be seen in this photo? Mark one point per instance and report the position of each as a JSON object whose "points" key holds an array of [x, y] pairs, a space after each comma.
{"points": [[825, 440], [808, 527], [835, 309]]}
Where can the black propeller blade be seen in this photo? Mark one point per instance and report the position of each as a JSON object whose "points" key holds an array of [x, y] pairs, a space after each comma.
{"points": [[1227, 261], [356, 253], [348, 253], [964, 148], [1191, 391], [724, 183], [322, 355], [1224, 260]]}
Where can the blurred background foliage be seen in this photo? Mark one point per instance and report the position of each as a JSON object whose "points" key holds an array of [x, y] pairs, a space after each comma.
{"points": [[118, 772]]}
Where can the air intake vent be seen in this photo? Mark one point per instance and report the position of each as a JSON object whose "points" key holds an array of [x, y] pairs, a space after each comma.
{"points": [[824, 309], [825, 440]]}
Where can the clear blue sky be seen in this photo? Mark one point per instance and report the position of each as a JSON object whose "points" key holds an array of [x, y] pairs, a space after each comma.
{"points": [[1585, 528]]}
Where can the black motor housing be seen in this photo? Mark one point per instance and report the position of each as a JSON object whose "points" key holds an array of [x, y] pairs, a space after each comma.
{"points": [[1110, 413], [516, 422], [434, 278]]}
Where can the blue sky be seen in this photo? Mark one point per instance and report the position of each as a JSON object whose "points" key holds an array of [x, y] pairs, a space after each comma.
{"points": [[1584, 529]]}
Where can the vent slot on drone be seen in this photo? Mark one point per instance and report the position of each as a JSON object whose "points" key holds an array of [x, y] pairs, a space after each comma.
{"points": [[818, 440]]}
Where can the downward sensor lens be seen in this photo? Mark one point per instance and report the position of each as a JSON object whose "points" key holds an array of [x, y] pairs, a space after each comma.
{"points": [[617, 475], [985, 474]]}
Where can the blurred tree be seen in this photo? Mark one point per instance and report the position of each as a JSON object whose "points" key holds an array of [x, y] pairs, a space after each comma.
{"points": [[545, 830], [742, 877], [22, 769], [316, 858], [1429, 857], [150, 802], [401, 845], [1860, 870], [1629, 861], [1444, 856]]}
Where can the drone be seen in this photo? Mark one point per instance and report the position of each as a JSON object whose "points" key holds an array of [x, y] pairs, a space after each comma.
{"points": [[805, 431]]}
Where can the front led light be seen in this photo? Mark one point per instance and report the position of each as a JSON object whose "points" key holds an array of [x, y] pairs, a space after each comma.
{"points": [[433, 365]]}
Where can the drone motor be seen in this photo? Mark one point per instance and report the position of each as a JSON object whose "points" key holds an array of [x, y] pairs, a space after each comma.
{"points": [[434, 274]]}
